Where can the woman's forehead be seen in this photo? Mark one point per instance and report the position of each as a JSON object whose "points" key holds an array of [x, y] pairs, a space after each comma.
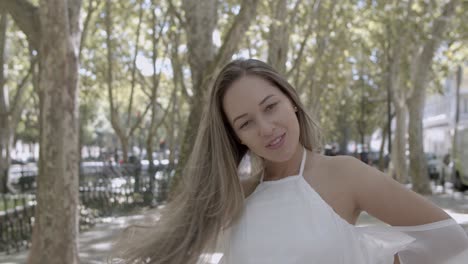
{"points": [[248, 92], [250, 88]]}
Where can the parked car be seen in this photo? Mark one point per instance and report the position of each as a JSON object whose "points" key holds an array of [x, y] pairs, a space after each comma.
{"points": [[434, 166], [22, 176], [17, 162]]}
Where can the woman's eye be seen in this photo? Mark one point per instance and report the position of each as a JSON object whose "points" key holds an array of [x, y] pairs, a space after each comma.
{"points": [[244, 124], [271, 106]]}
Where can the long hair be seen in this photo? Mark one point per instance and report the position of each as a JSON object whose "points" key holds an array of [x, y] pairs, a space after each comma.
{"points": [[210, 197]]}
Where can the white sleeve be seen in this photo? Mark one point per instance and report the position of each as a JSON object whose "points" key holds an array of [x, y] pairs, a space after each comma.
{"points": [[443, 242]]}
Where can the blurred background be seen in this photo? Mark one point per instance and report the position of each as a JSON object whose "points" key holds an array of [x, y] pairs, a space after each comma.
{"points": [[387, 81]]}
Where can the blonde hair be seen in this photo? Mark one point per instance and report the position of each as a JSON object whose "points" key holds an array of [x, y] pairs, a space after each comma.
{"points": [[210, 197]]}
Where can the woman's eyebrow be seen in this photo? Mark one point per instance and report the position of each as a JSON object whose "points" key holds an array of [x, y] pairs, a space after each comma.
{"points": [[266, 98], [235, 119], [261, 102]]}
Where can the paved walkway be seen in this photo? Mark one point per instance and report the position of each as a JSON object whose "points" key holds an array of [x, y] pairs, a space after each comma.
{"points": [[96, 243]]}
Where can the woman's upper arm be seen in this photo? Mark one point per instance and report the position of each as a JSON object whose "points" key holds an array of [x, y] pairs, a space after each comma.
{"points": [[386, 199]]}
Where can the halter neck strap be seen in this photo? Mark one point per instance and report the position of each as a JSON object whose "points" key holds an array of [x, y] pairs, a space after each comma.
{"points": [[301, 170], [304, 155]]}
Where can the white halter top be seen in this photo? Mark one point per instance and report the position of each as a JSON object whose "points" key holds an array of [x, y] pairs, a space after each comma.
{"points": [[287, 222]]}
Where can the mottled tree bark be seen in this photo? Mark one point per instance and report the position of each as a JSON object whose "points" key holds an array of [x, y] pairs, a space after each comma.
{"points": [[278, 38], [6, 137], [382, 147], [399, 144], [55, 235], [204, 60], [419, 79], [396, 42]]}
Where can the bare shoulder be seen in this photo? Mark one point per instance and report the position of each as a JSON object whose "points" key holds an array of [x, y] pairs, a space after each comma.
{"points": [[328, 177], [342, 173], [381, 196], [338, 168]]}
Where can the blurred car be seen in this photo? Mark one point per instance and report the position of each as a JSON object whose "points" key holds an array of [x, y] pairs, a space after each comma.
{"points": [[22, 176], [434, 166], [17, 162]]}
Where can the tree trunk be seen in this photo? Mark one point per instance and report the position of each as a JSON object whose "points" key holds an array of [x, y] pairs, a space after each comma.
{"points": [[156, 77], [419, 79], [55, 234], [278, 38], [124, 145], [399, 144], [418, 165], [397, 94], [455, 141], [344, 128], [6, 138], [174, 126], [134, 67], [124, 131], [172, 131], [201, 19], [381, 149]]}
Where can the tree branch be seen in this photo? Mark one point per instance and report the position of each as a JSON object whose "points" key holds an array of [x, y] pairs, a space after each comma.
{"points": [[173, 10], [176, 63], [240, 25], [89, 14], [26, 16], [134, 66], [137, 123], [424, 60], [16, 108], [306, 38]]}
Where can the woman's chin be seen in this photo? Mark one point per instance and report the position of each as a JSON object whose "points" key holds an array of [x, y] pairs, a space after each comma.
{"points": [[281, 156]]}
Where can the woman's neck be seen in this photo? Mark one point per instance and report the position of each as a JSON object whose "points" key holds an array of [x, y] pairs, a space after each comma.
{"points": [[279, 170]]}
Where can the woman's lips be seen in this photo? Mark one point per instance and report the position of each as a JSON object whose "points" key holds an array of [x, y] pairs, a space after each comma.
{"points": [[277, 142]]}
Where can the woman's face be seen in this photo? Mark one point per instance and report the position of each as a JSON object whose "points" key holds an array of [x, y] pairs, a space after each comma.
{"points": [[263, 118]]}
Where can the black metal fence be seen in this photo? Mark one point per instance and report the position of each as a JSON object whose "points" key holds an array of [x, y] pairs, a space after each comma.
{"points": [[115, 189], [16, 221], [104, 190]]}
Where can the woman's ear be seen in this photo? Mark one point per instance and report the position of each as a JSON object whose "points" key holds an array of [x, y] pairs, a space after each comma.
{"points": [[294, 106]]}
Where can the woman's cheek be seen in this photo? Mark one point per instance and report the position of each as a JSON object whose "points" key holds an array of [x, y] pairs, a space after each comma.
{"points": [[247, 139]]}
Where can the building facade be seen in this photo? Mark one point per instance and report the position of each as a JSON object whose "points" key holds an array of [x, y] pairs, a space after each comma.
{"points": [[440, 114]]}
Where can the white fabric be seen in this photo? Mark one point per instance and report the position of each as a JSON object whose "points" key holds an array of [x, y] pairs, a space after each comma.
{"points": [[287, 222]]}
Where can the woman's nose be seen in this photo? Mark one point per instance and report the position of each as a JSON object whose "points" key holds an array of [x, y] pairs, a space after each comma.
{"points": [[265, 128]]}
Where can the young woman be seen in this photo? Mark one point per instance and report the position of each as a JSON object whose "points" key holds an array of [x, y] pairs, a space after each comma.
{"points": [[297, 206]]}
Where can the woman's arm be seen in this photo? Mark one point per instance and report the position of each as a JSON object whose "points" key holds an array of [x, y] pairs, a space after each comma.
{"points": [[381, 196], [386, 199]]}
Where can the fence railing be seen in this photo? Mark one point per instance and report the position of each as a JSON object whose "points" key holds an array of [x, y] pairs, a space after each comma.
{"points": [[104, 191], [16, 221]]}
